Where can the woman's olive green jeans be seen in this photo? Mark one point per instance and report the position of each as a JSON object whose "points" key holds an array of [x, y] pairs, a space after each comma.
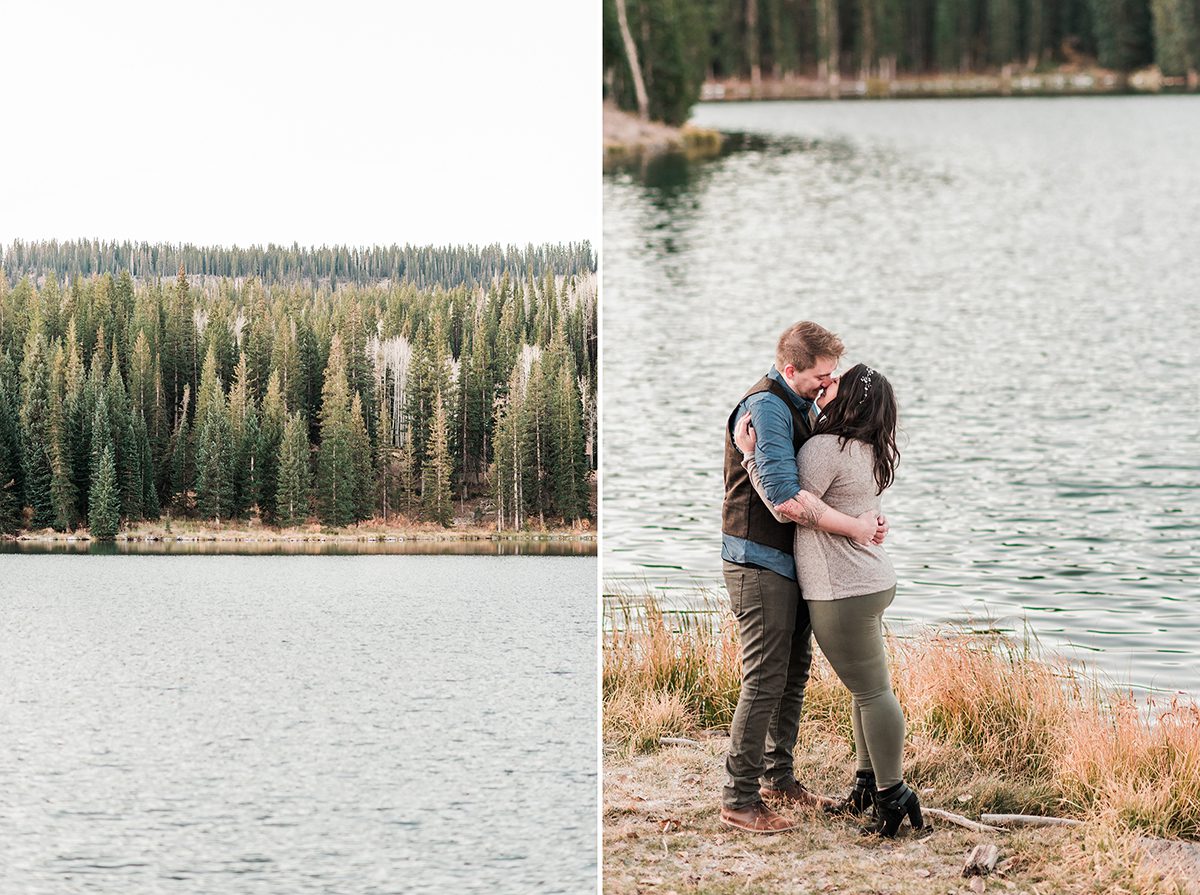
{"points": [[850, 634]]}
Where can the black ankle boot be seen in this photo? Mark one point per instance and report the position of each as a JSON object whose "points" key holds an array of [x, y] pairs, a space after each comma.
{"points": [[861, 798], [892, 805]]}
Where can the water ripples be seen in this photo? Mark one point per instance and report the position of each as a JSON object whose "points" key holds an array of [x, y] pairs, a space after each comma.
{"points": [[297, 724], [1024, 273]]}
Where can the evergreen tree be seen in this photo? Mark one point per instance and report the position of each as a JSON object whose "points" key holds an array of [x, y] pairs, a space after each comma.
{"points": [[295, 477], [36, 437], [337, 493], [214, 480], [567, 462], [243, 426], [10, 453], [63, 496], [363, 456], [126, 453], [270, 435], [183, 469], [512, 453], [104, 497], [213, 445], [104, 501], [437, 497]]}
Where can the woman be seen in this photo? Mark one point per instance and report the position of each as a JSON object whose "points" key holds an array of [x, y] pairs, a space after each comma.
{"points": [[848, 462]]}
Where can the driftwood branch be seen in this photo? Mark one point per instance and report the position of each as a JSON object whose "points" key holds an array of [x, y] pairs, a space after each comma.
{"points": [[677, 741], [951, 817], [982, 860], [1028, 820]]}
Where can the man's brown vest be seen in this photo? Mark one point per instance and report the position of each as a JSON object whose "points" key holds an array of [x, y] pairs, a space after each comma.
{"points": [[743, 513]]}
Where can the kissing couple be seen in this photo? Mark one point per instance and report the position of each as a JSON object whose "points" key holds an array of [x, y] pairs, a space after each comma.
{"points": [[807, 456]]}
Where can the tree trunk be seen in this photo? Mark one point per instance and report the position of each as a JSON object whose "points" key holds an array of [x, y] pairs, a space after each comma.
{"points": [[635, 68], [752, 47]]}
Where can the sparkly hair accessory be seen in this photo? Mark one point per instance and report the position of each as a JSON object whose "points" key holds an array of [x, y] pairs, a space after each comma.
{"points": [[866, 381]]}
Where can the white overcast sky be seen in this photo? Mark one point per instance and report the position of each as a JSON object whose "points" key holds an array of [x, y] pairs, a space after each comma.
{"points": [[439, 121]]}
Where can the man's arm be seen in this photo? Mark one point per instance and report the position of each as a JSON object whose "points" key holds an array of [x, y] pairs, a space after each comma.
{"points": [[774, 454], [804, 508]]}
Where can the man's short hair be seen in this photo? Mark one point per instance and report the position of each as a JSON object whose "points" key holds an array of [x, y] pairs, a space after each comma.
{"points": [[802, 343]]}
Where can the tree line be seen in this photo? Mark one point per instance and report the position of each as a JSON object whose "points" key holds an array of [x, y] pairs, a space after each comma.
{"points": [[123, 399], [680, 43], [424, 266]]}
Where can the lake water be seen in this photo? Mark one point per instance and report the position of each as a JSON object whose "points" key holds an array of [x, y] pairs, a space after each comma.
{"points": [[1027, 274], [297, 724]]}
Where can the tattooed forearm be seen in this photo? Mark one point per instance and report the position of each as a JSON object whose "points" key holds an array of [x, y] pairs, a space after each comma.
{"points": [[804, 509]]}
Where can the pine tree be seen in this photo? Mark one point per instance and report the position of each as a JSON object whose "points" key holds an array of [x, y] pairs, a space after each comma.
{"points": [[183, 469], [104, 501], [104, 497], [512, 453], [36, 436], [437, 497], [336, 490], [270, 435], [214, 482], [295, 479], [213, 445], [10, 452], [243, 427], [127, 455], [63, 496], [362, 455]]}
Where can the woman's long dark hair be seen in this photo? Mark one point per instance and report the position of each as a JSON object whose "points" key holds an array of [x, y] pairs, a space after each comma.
{"points": [[865, 409]]}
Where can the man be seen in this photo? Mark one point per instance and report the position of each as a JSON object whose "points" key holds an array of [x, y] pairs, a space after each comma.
{"points": [[760, 575]]}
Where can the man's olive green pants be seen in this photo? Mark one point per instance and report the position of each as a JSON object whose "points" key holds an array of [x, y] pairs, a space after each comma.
{"points": [[776, 654], [850, 633]]}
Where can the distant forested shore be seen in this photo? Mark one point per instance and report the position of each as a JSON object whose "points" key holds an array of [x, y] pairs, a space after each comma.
{"points": [[293, 387], [659, 53], [423, 266]]}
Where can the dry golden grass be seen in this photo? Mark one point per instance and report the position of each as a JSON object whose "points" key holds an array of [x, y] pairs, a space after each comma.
{"points": [[992, 727]]}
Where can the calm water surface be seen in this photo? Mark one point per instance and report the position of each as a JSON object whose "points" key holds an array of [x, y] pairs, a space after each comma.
{"points": [[1026, 272], [297, 724]]}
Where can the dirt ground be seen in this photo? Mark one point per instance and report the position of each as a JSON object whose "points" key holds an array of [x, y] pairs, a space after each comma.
{"points": [[662, 835]]}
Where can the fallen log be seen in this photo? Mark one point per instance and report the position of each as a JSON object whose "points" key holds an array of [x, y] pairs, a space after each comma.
{"points": [[677, 741], [1028, 820]]}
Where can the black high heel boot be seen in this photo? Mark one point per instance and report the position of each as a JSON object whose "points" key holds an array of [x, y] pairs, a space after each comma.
{"points": [[861, 798], [892, 805]]}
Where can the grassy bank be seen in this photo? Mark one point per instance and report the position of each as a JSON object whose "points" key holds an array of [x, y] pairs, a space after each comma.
{"points": [[392, 529], [628, 138], [1068, 81], [993, 727]]}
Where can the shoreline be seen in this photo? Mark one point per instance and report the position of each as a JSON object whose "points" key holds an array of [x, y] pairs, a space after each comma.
{"points": [[1069, 81], [187, 532], [628, 138]]}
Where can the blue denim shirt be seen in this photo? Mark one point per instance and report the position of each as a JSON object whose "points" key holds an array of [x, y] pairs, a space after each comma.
{"points": [[776, 467]]}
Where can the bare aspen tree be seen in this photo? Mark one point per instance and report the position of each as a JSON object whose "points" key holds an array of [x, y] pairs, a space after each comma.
{"points": [[635, 68]]}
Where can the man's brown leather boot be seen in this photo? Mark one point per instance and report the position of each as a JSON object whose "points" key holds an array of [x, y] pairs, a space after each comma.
{"points": [[756, 818]]}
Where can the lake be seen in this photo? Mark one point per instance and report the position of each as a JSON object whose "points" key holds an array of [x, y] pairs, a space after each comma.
{"points": [[254, 724], [1024, 271]]}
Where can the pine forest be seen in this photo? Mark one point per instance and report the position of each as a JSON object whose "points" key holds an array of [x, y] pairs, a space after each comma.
{"points": [[681, 43], [290, 387]]}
